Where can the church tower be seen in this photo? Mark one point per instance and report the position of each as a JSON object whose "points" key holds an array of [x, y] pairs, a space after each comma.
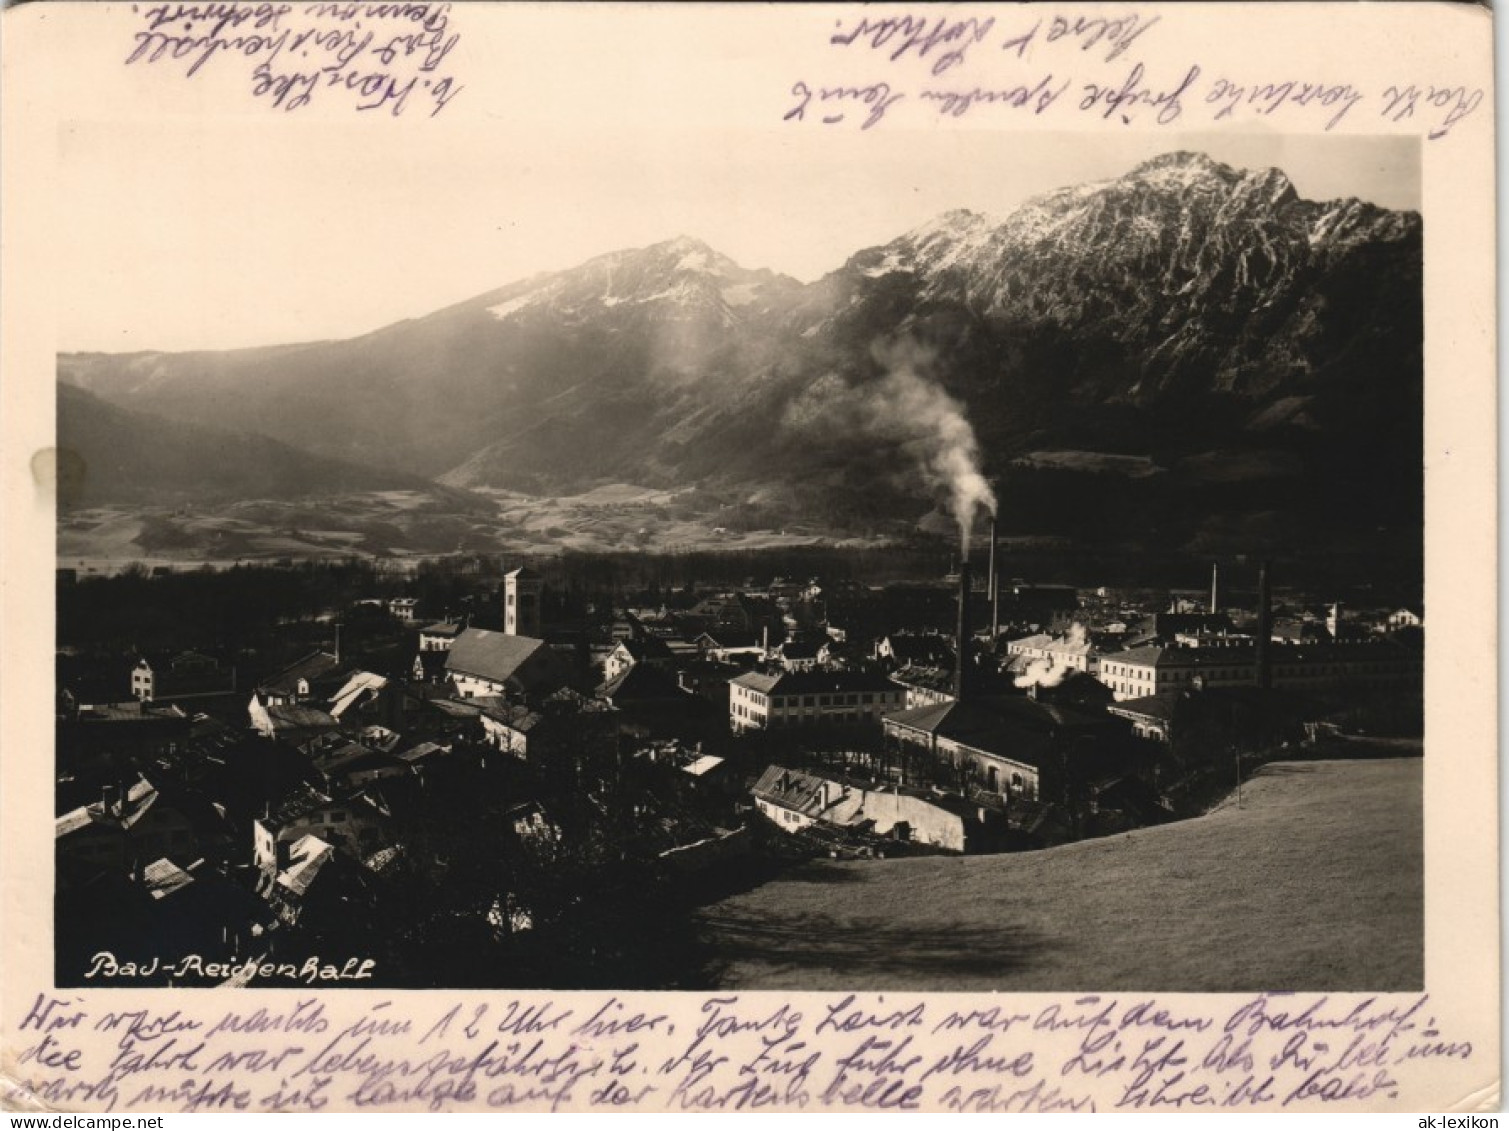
{"points": [[522, 590]]}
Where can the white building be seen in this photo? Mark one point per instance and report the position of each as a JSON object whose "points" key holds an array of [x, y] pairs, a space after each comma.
{"points": [[1141, 672], [1404, 618], [809, 699], [1073, 651]]}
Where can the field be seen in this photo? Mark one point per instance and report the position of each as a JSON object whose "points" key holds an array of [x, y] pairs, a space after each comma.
{"points": [[405, 524], [1315, 882]]}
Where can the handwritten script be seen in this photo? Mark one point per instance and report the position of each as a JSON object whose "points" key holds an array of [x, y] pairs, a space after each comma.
{"points": [[722, 1053], [931, 66], [376, 57]]}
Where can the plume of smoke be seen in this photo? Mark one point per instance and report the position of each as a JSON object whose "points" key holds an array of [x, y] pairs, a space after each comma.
{"points": [[1051, 670], [909, 401], [909, 409]]}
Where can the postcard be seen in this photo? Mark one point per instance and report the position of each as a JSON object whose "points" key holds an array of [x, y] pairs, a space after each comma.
{"points": [[758, 557]]}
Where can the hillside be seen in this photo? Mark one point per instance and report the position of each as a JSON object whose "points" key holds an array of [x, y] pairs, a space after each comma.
{"points": [[1315, 883], [122, 455], [1188, 353]]}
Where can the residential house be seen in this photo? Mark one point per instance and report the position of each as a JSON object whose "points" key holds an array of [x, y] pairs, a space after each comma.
{"points": [[184, 675], [562, 729], [651, 702], [439, 637], [730, 645], [131, 825], [796, 800], [798, 655], [314, 885], [738, 612], [709, 681], [292, 722], [649, 650], [316, 677], [344, 764], [1404, 618], [350, 822]]}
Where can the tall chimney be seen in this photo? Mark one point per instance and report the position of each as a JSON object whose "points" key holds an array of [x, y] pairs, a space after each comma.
{"points": [[962, 640], [1264, 628], [995, 588], [1215, 587]]}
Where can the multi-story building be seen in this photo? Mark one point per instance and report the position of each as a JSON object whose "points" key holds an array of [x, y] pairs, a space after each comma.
{"points": [[792, 700], [439, 637], [1152, 670], [1072, 650]]}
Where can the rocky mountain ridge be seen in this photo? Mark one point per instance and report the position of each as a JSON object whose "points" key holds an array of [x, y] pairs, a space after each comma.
{"points": [[1208, 321]]}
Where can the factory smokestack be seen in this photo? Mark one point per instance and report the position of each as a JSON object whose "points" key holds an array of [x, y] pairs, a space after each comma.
{"points": [[1264, 628], [1215, 587], [994, 588], [962, 640]]}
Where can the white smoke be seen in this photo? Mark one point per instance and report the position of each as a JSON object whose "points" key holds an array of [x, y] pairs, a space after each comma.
{"points": [[939, 435], [909, 409], [1050, 671]]}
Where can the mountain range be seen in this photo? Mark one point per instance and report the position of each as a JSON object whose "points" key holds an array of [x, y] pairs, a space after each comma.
{"points": [[1189, 354]]}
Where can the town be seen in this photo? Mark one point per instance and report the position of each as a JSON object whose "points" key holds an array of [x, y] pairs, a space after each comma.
{"points": [[474, 771]]}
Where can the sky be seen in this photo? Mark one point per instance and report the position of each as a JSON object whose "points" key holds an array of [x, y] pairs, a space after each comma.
{"points": [[184, 235]]}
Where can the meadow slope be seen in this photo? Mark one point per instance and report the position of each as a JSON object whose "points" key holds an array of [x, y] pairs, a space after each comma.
{"points": [[1314, 883]]}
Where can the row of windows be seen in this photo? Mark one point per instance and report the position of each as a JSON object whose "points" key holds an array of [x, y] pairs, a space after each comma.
{"points": [[839, 717], [1294, 671], [853, 698]]}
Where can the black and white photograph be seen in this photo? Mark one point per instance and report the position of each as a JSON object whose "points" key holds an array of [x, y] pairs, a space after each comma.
{"points": [[921, 521], [969, 607]]}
